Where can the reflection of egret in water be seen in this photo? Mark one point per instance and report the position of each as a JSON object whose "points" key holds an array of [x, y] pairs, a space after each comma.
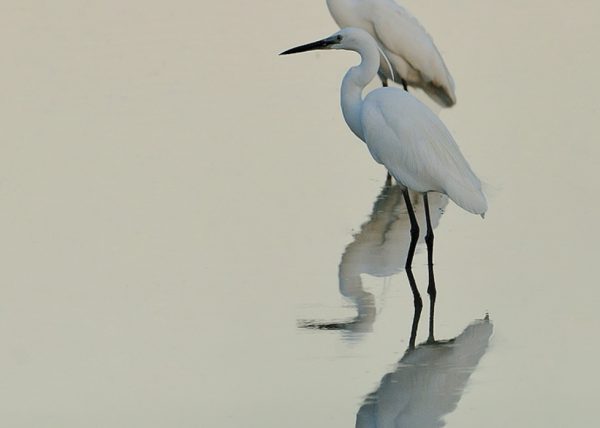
{"points": [[427, 383], [380, 250]]}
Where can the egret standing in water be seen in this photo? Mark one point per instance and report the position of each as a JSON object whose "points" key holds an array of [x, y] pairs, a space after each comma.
{"points": [[413, 57], [408, 139]]}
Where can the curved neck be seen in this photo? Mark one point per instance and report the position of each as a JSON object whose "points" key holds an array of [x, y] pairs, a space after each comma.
{"points": [[355, 81]]}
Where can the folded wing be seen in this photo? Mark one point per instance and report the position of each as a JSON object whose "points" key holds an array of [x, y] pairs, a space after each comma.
{"points": [[417, 149]]}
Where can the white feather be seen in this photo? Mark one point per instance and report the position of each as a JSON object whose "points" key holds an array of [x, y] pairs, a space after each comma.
{"points": [[417, 149], [411, 51], [402, 133]]}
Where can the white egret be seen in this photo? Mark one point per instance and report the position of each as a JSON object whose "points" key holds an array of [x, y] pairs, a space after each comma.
{"points": [[407, 138], [414, 58]]}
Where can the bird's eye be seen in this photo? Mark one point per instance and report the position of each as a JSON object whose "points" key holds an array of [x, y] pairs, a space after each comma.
{"points": [[338, 38]]}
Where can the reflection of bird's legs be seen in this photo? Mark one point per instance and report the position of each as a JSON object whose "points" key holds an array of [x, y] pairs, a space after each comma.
{"points": [[431, 288], [414, 237]]}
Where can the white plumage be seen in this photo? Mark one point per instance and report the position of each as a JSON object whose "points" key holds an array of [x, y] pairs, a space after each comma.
{"points": [[409, 140], [401, 133], [426, 157], [409, 48]]}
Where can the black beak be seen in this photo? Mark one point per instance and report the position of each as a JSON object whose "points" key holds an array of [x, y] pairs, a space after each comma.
{"points": [[321, 44]]}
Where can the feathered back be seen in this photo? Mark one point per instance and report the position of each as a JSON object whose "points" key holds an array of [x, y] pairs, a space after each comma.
{"points": [[418, 150]]}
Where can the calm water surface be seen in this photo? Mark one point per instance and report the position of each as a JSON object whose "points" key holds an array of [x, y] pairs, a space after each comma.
{"points": [[178, 202]]}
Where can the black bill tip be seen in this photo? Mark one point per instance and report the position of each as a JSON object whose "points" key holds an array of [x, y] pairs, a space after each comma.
{"points": [[321, 44]]}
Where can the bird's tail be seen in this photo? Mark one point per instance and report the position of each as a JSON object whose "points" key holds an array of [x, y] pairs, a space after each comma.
{"points": [[440, 94], [473, 200]]}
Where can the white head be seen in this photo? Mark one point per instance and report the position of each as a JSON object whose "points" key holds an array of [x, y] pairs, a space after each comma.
{"points": [[351, 39]]}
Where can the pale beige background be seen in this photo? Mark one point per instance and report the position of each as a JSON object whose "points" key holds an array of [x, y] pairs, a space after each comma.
{"points": [[174, 196]]}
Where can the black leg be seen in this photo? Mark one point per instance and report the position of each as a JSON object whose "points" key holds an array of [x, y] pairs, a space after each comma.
{"points": [[404, 85], [388, 180], [414, 237], [431, 288]]}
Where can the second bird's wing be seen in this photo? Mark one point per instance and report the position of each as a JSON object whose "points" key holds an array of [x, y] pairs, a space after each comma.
{"points": [[415, 146], [402, 35]]}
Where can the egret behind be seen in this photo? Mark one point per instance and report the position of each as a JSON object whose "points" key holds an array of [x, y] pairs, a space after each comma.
{"points": [[413, 56]]}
